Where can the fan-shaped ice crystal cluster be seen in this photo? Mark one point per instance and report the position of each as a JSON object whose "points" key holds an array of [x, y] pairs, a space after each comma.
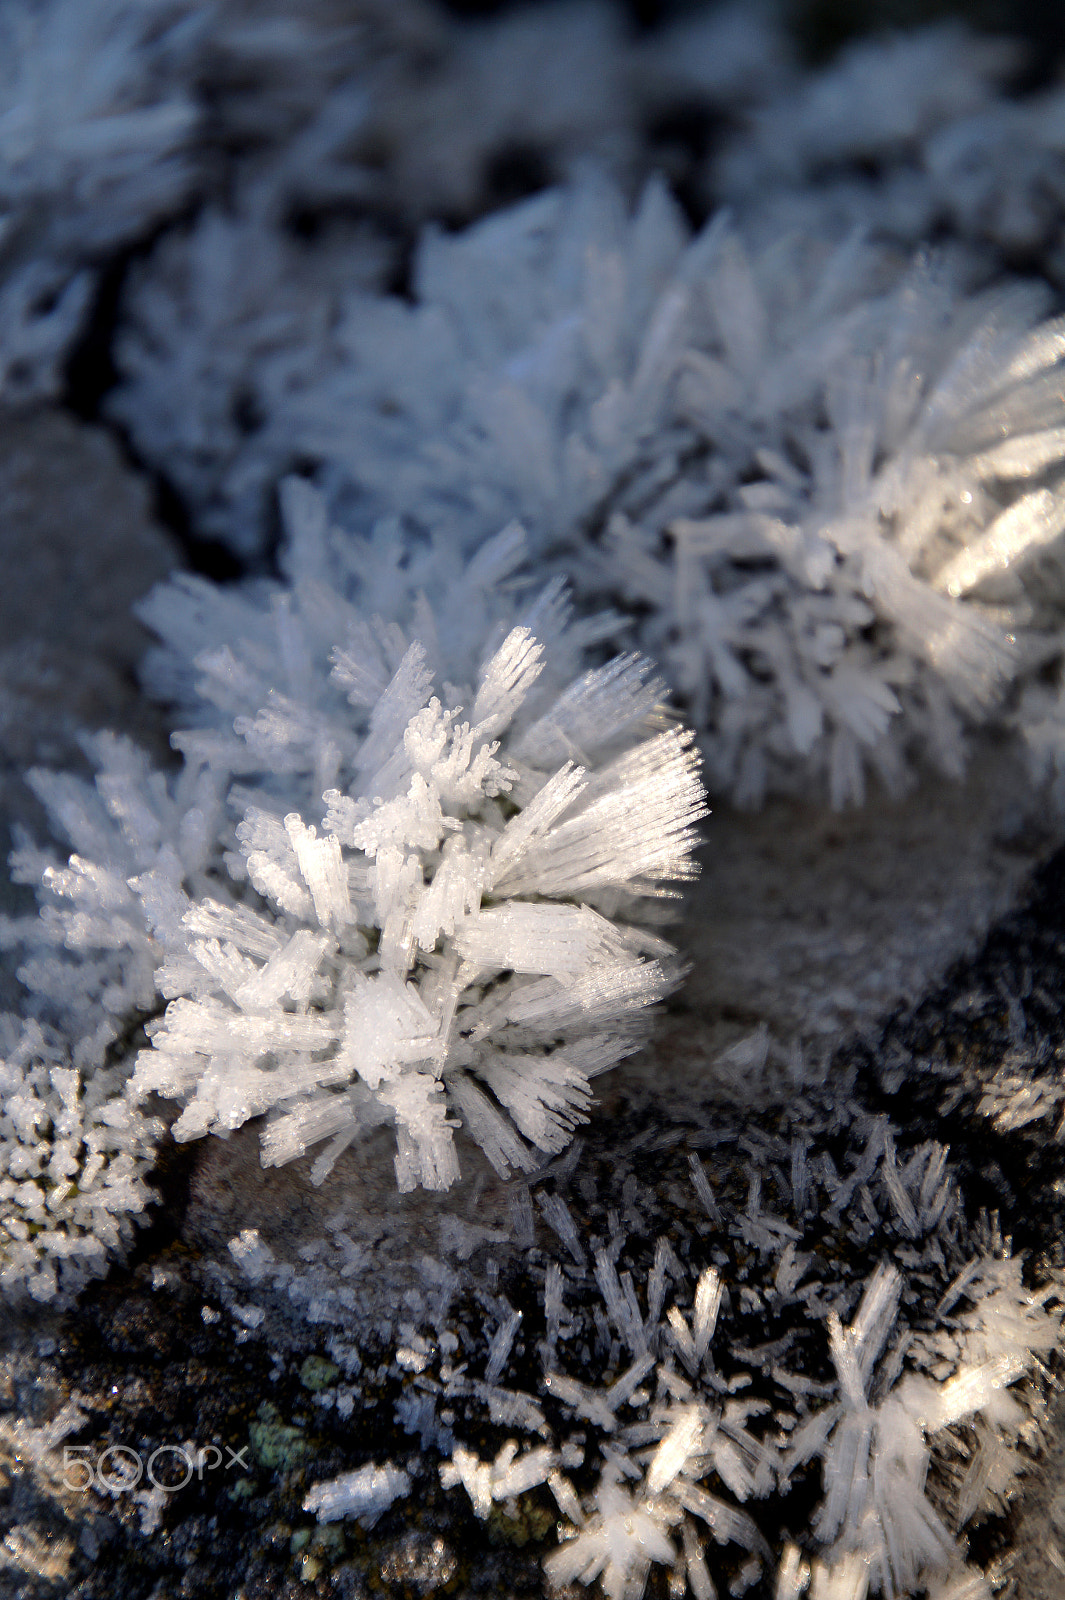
{"points": [[90, 955], [95, 129], [907, 136], [424, 905], [232, 316], [825, 485], [451, 936], [75, 1149]]}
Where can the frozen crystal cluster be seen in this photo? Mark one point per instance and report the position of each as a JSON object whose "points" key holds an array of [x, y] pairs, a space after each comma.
{"points": [[432, 899], [96, 134], [821, 472], [825, 481], [74, 1158], [739, 1360], [394, 883]]}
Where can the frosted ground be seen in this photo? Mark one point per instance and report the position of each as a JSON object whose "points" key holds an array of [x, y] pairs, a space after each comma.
{"points": [[502, 427]]}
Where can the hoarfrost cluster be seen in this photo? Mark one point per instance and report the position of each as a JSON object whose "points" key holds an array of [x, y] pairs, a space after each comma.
{"points": [[74, 1160], [365, 903], [819, 470], [750, 1366], [824, 482], [460, 924]]}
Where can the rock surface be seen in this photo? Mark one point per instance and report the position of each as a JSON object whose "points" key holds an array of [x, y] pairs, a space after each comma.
{"points": [[78, 546], [177, 1350], [806, 932]]}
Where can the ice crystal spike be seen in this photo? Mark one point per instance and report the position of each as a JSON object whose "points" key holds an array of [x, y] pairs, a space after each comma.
{"points": [[364, 1494], [821, 481], [456, 937]]}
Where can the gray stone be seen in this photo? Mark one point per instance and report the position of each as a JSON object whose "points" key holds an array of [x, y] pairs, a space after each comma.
{"points": [[78, 545]]}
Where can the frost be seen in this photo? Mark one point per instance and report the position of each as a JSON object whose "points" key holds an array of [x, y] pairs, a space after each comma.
{"points": [[97, 129], [74, 1160], [364, 1494], [407, 978], [223, 321], [455, 935], [402, 319], [824, 483]]}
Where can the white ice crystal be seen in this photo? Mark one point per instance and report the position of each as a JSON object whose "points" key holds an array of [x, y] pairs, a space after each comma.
{"points": [[409, 870], [444, 937], [876, 1522], [96, 130], [293, 687], [906, 136], [423, 915], [91, 955], [673, 1403], [74, 1156], [74, 1148], [543, 86], [664, 1459], [877, 101], [221, 323], [407, 114], [825, 486], [94, 122], [999, 176], [678, 1443], [363, 1494]]}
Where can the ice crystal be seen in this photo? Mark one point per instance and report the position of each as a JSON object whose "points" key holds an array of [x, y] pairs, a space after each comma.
{"points": [[94, 128], [453, 932], [410, 866], [221, 323], [363, 1494], [96, 136], [91, 955], [422, 916], [825, 486], [426, 914], [74, 1148], [74, 1158], [676, 1398], [878, 101]]}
